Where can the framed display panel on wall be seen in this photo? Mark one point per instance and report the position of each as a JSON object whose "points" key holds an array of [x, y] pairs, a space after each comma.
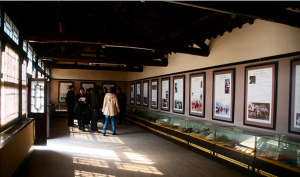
{"points": [[294, 115], [260, 95], [108, 86], [63, 88], [87, 85], [197, 94], [145, 93], [154, 93], [178, 94], [132, 97], [223, 95], [165, 94], [138, 93]]}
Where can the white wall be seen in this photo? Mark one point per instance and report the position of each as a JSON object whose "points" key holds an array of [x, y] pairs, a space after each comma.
{"points": [[79, 74], [261, 39]]}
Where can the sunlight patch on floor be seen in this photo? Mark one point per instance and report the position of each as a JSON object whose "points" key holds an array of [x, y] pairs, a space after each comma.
{"points": [[138, 168], [90, 161], [137, 158], [79, 173]]}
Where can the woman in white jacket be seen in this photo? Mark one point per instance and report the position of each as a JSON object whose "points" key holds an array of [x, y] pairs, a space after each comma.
{"points": [[110, 108]]}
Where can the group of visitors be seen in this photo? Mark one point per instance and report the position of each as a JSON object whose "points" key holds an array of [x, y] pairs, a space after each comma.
{"points": [[89, 106]]}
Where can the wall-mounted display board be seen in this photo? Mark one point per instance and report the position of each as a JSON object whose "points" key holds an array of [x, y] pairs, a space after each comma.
{"points": [[88, 85], [165, 94], [294, 117], [145, 93], [138, 93], [223, 95], [63, 88], [178, 94], [132, 94], [154, 93], [260, 95], [197, 94]]}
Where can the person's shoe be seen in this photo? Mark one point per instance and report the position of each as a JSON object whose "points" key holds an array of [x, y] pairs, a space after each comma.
{"points": [[114, 134], [103, 134], [96, 131]]}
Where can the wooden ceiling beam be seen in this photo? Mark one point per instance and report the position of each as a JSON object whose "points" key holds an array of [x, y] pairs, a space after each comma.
{"points": [[240, 8], [67, 38], [103, 68], [143, 61]]}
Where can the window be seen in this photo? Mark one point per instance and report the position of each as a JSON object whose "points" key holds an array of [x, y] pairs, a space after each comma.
{"points": [[40, 63], [10, 29], [43, 66], [33, 73], [25, 46], [24, 87], [9, 87], [40, 76], [29, 55]]}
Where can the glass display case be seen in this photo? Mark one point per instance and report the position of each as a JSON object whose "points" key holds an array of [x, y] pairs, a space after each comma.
{"points": [[283, 151], [202, 131], [237, 139], [163, 120], [180, 124], [150, 116]]}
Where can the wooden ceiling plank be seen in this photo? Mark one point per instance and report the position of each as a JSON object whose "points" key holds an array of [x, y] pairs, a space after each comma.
{"points": [[259, 12], [124, 60], [87, 67], [56, 38]]}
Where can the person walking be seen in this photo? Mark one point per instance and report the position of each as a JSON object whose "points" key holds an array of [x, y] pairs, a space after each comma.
{"points": [[110, 109], [122, 103], [70, 105], [95, 108], [80, 100]]}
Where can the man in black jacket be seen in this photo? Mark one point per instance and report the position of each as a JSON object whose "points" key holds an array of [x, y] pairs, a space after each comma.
{"points": [[95, 108], [70, 105], [122, 103]]}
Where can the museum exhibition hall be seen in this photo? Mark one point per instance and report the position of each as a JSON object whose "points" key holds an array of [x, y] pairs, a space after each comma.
{"points": [[193, 88]]}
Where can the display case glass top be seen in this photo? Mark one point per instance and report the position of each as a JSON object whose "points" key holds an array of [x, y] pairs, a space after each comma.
{"points": [[281, 150]]}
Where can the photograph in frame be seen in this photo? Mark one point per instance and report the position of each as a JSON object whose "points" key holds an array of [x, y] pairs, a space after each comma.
{"points": [[132, 96], [63, 88], [179, 94], [145, 98], [223, 95], [138, 93], [197, 94], [260, 95], [154, 93], [294, 113], [108, 86], [87, 85], [165, 94]]}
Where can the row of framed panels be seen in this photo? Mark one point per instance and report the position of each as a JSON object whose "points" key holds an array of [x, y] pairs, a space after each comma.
{"points": [[64, 87], [260, 98]]}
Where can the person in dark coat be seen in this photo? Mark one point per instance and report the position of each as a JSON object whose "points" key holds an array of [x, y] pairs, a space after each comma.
{"points": [[122, 103], [70, 105], [88, 115], [80, 100], [95, 108], [102, 95]]}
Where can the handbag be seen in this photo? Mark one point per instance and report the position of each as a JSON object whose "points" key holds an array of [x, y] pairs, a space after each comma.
{"points": [[76, 109]]}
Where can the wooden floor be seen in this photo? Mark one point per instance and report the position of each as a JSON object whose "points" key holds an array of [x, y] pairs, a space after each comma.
{"points": [[134, 152]]}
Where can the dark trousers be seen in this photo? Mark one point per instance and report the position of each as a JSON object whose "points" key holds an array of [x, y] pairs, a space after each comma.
{"points": [[70, 116], [95, 115], [81, 119], [122, 117]]}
